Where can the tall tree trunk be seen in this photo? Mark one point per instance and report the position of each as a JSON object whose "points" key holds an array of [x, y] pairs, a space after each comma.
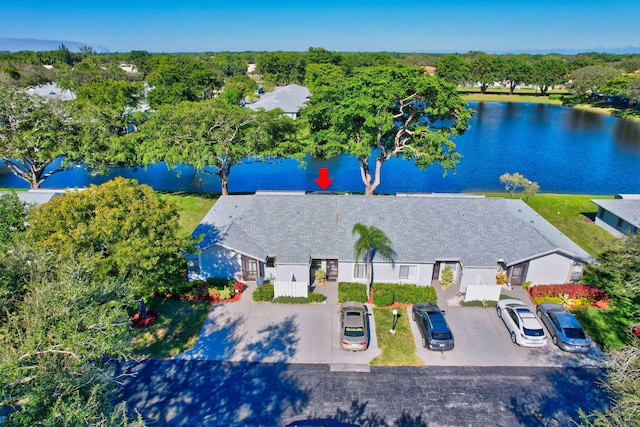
{"points": [[224, 180], [370, 184]]}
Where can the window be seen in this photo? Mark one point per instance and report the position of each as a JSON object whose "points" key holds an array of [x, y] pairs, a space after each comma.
{"points": [[360, 271], [408, 271], [271, 261], [619, 224], [193, 265]]}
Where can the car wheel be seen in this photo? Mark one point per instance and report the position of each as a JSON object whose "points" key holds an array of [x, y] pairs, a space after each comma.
{"points": [[413, 315], [513, 337], [555, 340], [499, 312], [424, 342]]}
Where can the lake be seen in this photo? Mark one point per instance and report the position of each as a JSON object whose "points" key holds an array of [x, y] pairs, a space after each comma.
{"points": [[563, 149]]}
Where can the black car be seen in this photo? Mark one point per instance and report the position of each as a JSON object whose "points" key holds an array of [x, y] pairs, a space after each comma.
{"points": [[434, 329]]}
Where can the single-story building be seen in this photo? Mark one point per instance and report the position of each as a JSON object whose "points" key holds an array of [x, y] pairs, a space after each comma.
{"points": [[290, 99], [619, 216], [287, 236], [36, 196]]}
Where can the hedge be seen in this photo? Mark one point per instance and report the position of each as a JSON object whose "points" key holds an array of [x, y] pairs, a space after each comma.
{"points": [[348, 291], [576, 291], [408, 294], [264, 293], [300, 300]]}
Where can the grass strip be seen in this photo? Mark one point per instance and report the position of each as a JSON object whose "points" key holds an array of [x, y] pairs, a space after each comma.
{"points": [[397, 349]]}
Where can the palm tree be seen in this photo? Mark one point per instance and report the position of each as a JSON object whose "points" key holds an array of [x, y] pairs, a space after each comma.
{"points": [[371, 241]]}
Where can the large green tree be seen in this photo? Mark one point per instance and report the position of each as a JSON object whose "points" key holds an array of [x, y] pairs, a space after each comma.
{"points": [[587, 80], [548, 72], [516, 71], [486, 69], [281, 68], [453, 69], [216, 134], [34, 133], [633, 90], [385, 112], [124, 228], [371, 241], [58, 343]]}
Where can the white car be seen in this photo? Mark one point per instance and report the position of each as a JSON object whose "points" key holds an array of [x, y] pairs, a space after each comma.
{"points": [[522, 324]]}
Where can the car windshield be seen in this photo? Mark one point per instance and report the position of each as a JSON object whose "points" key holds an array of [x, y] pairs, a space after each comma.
{"points": [[353, 331], [574, 333], [533, 332], [441, 335]]}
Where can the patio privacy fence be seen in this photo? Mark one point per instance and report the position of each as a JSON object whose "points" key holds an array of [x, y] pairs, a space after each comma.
{"points": [[482, 291], [290, 289]]}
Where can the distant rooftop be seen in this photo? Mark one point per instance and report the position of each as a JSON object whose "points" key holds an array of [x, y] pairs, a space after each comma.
{"points": [[289, 98], [51, 90]]}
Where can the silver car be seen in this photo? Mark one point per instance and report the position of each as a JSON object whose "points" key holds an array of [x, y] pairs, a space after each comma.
{"points": [[564, 328], [354, 326], [523, 325]]}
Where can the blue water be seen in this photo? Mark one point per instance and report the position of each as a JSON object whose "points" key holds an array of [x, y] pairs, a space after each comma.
{"points": [[564, 150]]}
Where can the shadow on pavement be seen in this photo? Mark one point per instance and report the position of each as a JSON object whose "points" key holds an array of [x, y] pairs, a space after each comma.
{"points": [[206, 393]]}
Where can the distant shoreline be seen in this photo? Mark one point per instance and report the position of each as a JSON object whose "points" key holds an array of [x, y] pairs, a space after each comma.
{"points": [[538, 99]]}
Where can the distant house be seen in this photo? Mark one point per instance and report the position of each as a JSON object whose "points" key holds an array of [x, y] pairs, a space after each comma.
{"points": [[429, 69], [287, 236], [36, 196], [289, 98], [128, 68], [619, 216]]}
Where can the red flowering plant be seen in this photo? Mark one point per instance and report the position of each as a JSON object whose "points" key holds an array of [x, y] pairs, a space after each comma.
{"points": [[581, 294]]}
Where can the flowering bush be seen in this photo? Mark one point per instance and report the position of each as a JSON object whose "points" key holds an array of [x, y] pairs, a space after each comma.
{"points": [[574, 291], [502, 278]]}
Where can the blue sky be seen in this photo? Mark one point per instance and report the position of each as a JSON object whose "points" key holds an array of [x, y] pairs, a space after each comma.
{"points": [[417, 26]]}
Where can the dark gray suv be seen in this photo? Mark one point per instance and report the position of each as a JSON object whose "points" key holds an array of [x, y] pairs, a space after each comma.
{"points": [[434, 329]]}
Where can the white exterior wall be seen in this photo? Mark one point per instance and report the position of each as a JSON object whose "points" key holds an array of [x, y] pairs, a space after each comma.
{"points": [[550, 269], [387, 273], [473, 275], [219, 262], [483, 292], [292, 272]]}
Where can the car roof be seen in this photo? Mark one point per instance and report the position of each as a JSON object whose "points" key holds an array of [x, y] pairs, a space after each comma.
{"points": [[567, 320], [354, 321], [553, 307], [438, 323]]}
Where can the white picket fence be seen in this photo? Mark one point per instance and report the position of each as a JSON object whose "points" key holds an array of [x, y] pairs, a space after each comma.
{"points": [[290, 289]]}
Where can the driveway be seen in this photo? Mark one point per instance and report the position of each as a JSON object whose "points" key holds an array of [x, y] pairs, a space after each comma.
{"points": [[265, 332], [481, 339]]}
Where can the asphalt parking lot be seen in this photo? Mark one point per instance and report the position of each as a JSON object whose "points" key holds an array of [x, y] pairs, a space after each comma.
{"points": [[296, 333], [481, 339], [264, 332]]}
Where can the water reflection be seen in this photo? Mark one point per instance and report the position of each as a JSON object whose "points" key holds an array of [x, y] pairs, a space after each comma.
{"points": [[626, 135], [583, 121]]}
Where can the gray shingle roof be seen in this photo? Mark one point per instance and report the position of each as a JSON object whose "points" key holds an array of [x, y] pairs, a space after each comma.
{"points": [[627, 209], [294, 228], [289, 98]]}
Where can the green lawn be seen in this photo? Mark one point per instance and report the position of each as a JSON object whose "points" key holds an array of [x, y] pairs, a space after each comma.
{"points": [[573, 214], [175, 331], [192, 207], [607, 327], [397, 349]]}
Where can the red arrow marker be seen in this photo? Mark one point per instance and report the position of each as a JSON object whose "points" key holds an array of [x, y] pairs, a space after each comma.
{"points": [[323, 181]]}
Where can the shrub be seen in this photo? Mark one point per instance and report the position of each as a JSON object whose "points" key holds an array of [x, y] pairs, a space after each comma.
{"points": [[573, 290], [408, 293], [540, 300], [214, 293], [320, 276], [219, 283], [447, 277], [425, 294], [226, 293], [348, 291], [300, 300], [556, 96], [383, 297], [316, 298], [238, 287], [263, 293], [502, 278], [526, 285]]}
